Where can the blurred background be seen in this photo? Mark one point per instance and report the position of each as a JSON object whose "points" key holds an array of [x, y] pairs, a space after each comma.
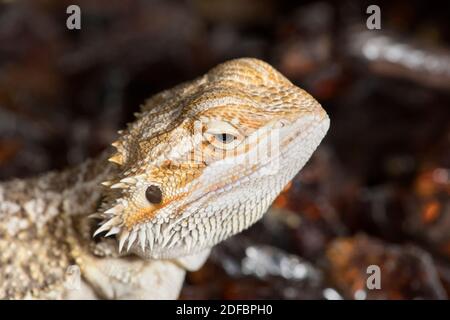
{"points": [[375, 193]]}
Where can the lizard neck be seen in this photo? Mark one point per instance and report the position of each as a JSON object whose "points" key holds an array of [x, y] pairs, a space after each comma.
{"points": [[71, 192]]}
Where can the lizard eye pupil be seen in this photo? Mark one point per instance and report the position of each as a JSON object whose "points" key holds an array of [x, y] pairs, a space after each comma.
{"points": [[225, 137], [153, 194]]}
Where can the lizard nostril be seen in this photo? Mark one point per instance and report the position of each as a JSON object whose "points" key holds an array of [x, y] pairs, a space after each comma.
{"points": [[153, 194]]}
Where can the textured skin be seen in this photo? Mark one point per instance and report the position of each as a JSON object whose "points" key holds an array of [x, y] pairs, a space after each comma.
{"points": [[220, 148]]}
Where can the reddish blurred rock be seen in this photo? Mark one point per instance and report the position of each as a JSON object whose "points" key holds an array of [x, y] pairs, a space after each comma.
{"points": [[429, 210], [407, 272]]}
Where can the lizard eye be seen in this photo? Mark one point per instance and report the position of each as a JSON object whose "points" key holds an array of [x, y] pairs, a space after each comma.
{"points": [[223, 140], [225, 137], [222, 135]]}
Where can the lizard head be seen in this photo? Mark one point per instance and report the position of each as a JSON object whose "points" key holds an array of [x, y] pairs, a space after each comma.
{"points": [[205, 159]]}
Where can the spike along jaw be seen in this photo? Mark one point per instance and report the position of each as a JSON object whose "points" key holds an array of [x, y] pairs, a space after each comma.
{"points": [[212, 172]]}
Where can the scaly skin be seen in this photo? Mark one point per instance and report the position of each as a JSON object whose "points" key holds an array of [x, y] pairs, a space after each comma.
{"points": [[200, 163]]}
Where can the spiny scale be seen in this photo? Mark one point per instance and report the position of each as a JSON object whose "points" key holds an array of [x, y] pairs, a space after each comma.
{"points": [[129, 180], [112, 220], [150, 238], [109, 224], [119, 185], [142, 237], [107, 183], [117, 144], [123, 237], [131, 239], [116, 158], [113, 231]]}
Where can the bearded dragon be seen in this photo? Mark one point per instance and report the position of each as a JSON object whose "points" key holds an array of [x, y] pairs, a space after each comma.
{"points": [[200, 163]]}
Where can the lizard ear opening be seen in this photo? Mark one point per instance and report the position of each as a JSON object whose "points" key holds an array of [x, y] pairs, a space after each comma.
{"points": [[153, 194]]}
